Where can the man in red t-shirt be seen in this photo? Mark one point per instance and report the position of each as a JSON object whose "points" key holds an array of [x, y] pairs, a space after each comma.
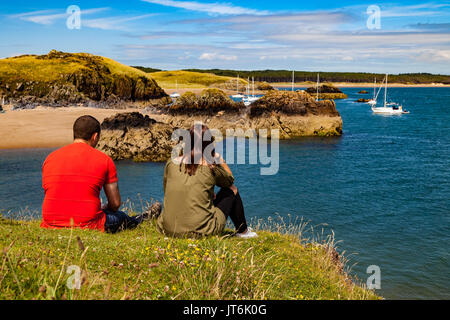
{"points": [[72, 178]]}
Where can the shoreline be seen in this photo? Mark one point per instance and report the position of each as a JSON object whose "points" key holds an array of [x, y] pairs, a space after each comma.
{"points": [[45, 127], [359, 85]]}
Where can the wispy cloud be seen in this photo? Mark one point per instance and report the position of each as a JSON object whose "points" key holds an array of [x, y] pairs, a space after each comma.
{"points": [[216, 8], [420, 10], [112, 23], [49, 17]]}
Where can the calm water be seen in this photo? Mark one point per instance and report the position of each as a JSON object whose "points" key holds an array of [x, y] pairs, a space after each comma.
{"points": [[383, 187]]}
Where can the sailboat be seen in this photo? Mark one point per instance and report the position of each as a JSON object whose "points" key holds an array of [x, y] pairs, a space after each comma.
{"points": [[238, 95], [175, 95], [250, 99], [388, 108], [373, 101]]}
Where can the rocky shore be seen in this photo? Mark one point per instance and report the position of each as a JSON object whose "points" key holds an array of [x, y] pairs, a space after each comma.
{"points": [[148, 138]]}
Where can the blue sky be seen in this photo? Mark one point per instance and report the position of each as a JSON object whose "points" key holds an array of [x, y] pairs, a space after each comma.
{"points": [[414, 36]]}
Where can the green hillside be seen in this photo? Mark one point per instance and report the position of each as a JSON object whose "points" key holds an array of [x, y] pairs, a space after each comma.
{"points": [[73, 77]]}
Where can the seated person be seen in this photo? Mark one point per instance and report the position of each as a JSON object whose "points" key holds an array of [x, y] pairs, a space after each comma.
{"points": [[72, 178], [190, 205]]}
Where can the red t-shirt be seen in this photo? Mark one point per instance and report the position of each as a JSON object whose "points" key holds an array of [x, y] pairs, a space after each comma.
{"points": [[72, 178]]}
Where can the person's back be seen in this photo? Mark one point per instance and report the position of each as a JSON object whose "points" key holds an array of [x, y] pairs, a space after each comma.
{"points": [[190, 206], [188, 202], [72, 178]]}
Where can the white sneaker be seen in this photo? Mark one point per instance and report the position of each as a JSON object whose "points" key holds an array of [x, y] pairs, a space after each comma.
{"points": [[247, 234]]}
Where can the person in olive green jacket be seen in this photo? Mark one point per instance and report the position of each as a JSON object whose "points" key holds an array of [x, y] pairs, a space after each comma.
{"points": [[190, 206]]}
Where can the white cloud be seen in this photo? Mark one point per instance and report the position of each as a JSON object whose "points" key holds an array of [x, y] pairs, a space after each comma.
{"points": [[215, 56], [211, 8]]}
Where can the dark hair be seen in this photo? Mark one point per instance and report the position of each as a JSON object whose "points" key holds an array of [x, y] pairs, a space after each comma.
{"points": [[194, 154], [85, 126]]}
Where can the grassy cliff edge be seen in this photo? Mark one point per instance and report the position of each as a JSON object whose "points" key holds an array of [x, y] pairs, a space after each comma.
{"points": [[142, 264]]}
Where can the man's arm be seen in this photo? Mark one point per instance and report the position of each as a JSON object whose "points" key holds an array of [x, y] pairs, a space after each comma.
{"points": [[113, 196]]}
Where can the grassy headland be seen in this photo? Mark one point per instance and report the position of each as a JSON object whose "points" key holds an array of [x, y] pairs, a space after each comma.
{"points": [[63, 78], [142, 264], [192, 80]]}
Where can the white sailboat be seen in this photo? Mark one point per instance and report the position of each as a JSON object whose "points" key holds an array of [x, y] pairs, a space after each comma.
{"points": [[175, 95], [388, 108], [373, 101], [248, 100], [238, 95]]}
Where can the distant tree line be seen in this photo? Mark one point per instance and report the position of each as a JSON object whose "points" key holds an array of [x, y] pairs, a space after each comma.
{"points": [[356, 77]]}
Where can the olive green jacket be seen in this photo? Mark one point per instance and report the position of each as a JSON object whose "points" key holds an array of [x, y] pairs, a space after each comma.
{"points": [[188, 200]]}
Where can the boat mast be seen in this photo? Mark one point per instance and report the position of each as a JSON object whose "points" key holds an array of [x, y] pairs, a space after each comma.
{"points": [[374, 88], [253, 82], [293, 79], [318, 81], [248, 86], [385, 91]]}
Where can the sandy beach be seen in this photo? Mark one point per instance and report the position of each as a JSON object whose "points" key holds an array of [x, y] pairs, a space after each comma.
{"points": [[44, 127]]}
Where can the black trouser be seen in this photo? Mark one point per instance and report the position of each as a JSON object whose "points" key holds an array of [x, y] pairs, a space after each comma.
{"points": [[231, 205], [118, 221]]}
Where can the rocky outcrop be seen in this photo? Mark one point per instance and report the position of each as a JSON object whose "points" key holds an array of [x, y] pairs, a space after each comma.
{"points": [[327, 92], [362, 100], [135, 136], [61, 79], [295, 114], [363, 92], [264, 86], [209, 102]]}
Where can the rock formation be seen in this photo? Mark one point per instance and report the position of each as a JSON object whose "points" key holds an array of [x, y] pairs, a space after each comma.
{"points": [[327, 92], [264, 86], [295, 114], [210, 101], [61, 79], [135, 136]]}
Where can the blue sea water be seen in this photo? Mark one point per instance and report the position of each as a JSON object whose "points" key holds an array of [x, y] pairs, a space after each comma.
{"points": [[383, 188]]}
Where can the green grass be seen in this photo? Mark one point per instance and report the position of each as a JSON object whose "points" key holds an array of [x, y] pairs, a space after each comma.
{"points": [[31, 68], [189, 80], [143, 264]]}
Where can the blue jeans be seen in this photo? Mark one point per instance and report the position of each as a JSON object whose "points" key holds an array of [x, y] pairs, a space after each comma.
{"points": [[118, 221]]}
